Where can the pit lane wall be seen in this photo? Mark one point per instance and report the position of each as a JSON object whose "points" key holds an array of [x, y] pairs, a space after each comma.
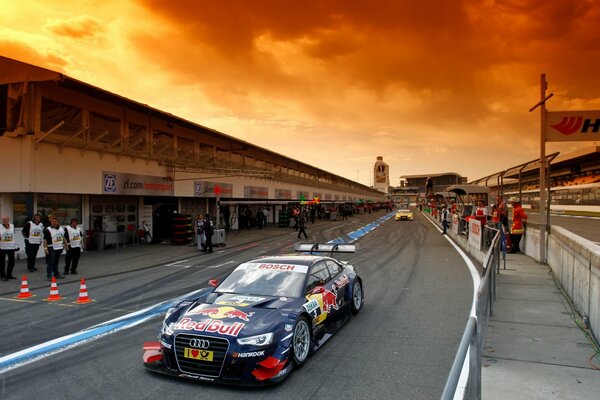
{"points": [[575, 262]]}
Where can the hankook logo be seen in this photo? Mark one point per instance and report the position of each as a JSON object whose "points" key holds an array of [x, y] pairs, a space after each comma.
{"points": [[199, 343]]}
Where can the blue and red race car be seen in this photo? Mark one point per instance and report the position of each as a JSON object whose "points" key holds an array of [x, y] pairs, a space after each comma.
{"points": [[266, 317]]}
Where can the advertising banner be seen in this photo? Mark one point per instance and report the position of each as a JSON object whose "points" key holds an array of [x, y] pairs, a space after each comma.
{"points": [[572, 126], [256, 192], [283, 194], [138, 185], [475, 233], [455, 223], [213, 189], [301, 195]]}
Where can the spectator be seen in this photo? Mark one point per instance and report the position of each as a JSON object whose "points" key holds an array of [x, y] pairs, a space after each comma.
{"points": [[429, 187], [445, 219], [518, 229], [503, 211]]}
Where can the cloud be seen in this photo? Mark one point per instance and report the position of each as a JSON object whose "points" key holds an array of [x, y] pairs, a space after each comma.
{"points": [[76, 27]]}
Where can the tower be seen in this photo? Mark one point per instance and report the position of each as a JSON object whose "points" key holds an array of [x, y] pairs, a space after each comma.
{"points": [[381, 175]]}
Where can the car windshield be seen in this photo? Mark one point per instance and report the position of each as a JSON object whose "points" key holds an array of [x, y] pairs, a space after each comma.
{"points": [[265, 280]]}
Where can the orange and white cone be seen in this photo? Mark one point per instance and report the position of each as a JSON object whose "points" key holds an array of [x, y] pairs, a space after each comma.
{"points": [[83, 294], [54, 296], [24, 293]]}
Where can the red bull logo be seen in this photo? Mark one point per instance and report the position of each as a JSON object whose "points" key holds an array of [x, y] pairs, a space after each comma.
{"points": [[329, 301], [210, 325], [221, 312]]}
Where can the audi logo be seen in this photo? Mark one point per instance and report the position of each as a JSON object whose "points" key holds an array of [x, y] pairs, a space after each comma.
{"points": [[199, 343]]}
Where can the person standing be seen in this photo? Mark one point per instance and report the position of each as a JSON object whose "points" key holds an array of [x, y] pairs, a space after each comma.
{"points": [[8, 247], [54, 244], [518, 229], [208, 233], [73, 237], [301, 224], [503, 211], [445, 219], [32, 232], [201, 241]]}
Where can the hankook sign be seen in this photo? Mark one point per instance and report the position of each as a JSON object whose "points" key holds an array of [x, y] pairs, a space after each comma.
{"points": [[572, 126]]}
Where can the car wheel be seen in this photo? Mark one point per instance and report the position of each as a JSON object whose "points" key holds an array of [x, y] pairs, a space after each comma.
{"points": [[357, 297], [301, 341]]}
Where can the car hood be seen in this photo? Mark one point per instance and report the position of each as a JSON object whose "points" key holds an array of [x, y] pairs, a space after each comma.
{"points": [[233, 315]]}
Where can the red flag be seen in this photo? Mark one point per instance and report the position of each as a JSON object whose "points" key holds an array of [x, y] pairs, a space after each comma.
{"points": [[217, 190]]}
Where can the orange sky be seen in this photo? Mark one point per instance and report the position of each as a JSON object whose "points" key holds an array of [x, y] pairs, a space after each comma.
{"points": [[431, 86]]}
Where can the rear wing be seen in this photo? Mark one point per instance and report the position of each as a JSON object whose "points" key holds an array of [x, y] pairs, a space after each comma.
{"points": [[325, 247]]}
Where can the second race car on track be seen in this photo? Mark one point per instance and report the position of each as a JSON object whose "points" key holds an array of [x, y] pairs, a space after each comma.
{"points": [[261, 321], [403, 215]]}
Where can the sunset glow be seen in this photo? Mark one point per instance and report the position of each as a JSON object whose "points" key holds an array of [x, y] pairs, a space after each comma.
{"points": [[431, 86]]}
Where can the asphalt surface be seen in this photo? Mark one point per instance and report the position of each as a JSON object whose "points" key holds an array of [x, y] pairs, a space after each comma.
{"points": [[418, 295]]}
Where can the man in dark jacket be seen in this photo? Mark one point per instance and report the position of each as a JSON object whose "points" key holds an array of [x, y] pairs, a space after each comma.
{"points": [[208, 233]]}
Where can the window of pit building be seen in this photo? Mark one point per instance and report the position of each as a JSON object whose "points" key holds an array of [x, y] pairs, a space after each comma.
{"points": [[54, 112], [137, 139], [104, 129], [162, 144], [64, 206], [22, 208], [185, 149]]}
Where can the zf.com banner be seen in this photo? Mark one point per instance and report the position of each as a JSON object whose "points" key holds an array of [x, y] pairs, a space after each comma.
{"points": [[140, 185], [572, 126]]}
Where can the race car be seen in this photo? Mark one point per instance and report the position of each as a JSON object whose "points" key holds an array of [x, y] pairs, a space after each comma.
{"points": [[403, 215], [265, 318]]}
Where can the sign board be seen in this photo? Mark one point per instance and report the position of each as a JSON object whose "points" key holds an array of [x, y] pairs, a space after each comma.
{"points": [[138, 185], [475, 233], [572, 126], [283, 194], [213, 189], [455, 223], [256, 192]]}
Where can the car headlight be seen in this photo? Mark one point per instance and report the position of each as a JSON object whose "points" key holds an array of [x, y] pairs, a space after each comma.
{"points": [[167, 330], [258, 340]]}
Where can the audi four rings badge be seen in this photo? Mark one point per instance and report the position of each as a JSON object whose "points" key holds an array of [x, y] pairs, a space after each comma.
{"points": [[199, 343]]}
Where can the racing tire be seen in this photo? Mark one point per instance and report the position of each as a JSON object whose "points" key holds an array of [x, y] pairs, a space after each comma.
{"points": [[357, 297], [301, 341]]}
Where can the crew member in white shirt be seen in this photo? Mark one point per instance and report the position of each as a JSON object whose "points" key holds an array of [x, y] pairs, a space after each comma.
{"points": [[54, 244], [8, 246], [74, 238], [32, 233]]}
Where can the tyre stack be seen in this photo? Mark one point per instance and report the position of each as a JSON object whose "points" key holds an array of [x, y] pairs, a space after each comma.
{"points": [[181, 230], [284, 218]]}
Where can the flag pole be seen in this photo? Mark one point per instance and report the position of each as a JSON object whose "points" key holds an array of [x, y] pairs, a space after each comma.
{"points": [[542, 206]]}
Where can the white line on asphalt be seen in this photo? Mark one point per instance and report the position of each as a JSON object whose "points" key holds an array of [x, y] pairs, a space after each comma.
{"points": [[221, 265], [175, 263]]}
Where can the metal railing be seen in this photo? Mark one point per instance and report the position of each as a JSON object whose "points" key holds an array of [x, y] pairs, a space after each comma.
{"points": [[473, 338]]}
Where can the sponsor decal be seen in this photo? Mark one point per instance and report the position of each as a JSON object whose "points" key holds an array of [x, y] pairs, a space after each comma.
{"points": [[288, 327], [211, 326], [282, 372], [221, 312], [248, 355], [197, 354], [311, 306], [201, 378], [279, 267], [329, 301], [165, 344], [110, 183], [340, 283]]}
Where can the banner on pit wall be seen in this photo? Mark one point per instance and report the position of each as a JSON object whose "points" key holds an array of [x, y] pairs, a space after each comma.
{"points": [[455, 223], [138, 185], [475, 233], [572, 126]]}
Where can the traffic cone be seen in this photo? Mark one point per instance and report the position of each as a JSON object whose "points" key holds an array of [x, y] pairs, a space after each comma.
{"points": [[54, 296], [24, 293], [83, 294]]}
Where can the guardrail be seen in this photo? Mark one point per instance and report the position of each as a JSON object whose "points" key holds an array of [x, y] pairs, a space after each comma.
{"points": [[473, 338]]}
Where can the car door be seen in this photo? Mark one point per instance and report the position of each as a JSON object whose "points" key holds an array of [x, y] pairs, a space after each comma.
{"points": [[339, 284], [319, 300]]}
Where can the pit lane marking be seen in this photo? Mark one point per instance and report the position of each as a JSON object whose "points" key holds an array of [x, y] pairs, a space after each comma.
{"points": [[174, 264], [221, 265]]}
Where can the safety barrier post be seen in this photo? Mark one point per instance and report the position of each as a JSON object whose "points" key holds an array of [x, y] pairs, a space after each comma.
{"points": [[475, 365]]}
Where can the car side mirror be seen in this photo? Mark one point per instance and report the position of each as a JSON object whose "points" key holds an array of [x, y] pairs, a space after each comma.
{"points": [[213, 282], [318, 290]]}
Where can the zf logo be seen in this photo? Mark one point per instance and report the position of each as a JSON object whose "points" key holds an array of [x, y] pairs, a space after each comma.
{"points": [[110, 183]]}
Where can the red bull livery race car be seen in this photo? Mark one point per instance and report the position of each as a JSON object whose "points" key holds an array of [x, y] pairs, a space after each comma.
{"points": [[261, 321]]}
